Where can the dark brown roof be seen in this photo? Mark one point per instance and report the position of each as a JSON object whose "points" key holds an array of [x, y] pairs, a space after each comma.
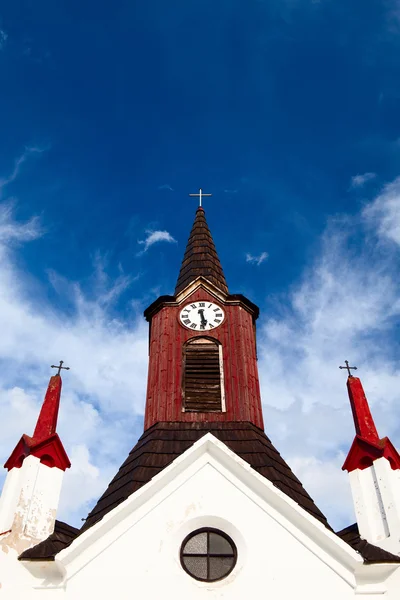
{"points": [[369, 552], [61, 537], [201, 257], [164, 442]]}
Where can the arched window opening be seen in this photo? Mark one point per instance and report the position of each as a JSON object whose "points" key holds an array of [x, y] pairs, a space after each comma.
{"points": [[203, 380]]}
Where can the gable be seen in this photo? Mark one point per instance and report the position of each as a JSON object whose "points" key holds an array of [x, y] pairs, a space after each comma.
{"points": [[137, 546]]}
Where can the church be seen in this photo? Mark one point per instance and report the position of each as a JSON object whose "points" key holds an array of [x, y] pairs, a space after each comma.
{"points": [[204, 505]]}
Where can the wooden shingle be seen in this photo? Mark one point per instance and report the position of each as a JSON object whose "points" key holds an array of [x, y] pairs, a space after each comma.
{"points": [[201, 258]]}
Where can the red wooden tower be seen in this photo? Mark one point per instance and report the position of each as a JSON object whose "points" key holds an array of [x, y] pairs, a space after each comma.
{"points": [[202, 371], [203, 378]]}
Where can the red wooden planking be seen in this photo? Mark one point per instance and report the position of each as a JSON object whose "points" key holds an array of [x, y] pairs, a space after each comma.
{"points": [[236, 334]]}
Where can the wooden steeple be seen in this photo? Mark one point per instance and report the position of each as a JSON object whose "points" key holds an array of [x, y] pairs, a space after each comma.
{"points": [[201, 258]]}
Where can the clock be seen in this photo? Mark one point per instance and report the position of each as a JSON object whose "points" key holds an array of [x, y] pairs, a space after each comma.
{"points": [[201, 316]]}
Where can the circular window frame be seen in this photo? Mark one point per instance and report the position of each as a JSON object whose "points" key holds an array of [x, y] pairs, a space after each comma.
{"points": [[224, 535]]}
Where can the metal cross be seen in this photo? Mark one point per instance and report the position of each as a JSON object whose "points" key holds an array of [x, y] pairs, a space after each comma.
{"points": [[200, 195], [348, 368], [59, 367]]}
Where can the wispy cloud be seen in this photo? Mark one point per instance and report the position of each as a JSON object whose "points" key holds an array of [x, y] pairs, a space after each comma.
{"points": [[346, 306], [359, 181], [257, 260], [154, 237], [104, 390], [10, 231], [384, 212], [17, 166], [3, 38], [166, 187]]}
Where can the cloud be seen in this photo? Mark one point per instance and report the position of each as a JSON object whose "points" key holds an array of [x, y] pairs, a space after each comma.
{"points": [[384, 212], [257, 260], [103, 394], [17, 166], [346, 305], [153, 237], [166, 187], [10, 231], [3, 38], [359, 181]]}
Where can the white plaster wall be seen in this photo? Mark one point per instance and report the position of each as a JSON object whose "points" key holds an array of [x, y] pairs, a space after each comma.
{"points": [[144, 561], [9, 498], [134, 551], [376, 497]]}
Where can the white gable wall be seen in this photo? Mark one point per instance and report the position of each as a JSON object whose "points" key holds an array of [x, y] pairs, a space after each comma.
{"points": [[144, 561], [134, 551]]}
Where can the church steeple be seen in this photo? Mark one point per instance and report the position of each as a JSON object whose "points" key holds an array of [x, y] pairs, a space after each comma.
{"points": [[201, 258], [373, 464], [36, 466]]}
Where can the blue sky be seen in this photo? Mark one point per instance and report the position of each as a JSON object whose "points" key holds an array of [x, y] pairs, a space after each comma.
{"points": [[110, 115]]}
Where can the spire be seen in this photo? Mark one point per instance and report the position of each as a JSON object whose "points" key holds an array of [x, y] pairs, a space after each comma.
{"points": [[373, 465], [45, 443], [201, 258], [363, 421], [367, 446], [29, 500], [47, 420]]}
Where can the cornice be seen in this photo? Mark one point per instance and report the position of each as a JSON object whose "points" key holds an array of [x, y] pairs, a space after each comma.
{"points": [[201, 282]]}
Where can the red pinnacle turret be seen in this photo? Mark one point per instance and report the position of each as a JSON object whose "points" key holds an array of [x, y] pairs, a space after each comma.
{"points": [[47, 421], [367, 446], [45, 443], [363, 421]]}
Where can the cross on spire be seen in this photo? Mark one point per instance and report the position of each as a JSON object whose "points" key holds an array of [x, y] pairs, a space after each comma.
{"points": [[200, 195], [59, 367], [348, 368]]}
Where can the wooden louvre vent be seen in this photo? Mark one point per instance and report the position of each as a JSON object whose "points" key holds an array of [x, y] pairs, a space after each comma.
{"points": [[202, 376]]}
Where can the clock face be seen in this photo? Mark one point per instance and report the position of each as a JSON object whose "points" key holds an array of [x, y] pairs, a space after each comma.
{"points": [[201, 316]]}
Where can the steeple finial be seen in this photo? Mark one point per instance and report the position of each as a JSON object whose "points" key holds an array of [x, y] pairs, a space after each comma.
{"points": [[200, 195], [201, 258], [348, 368], [59, 367]]}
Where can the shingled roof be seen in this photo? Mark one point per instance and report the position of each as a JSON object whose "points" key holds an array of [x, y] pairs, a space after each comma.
{"points": [[164, 442], [370, 553], [201, 258], [62, 536]]}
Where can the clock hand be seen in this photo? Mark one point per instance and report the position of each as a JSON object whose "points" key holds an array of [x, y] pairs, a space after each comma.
{"points": [[203, 320]]}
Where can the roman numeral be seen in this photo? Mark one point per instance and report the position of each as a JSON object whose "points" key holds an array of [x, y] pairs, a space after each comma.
{"points": [[193, 305], [202, 304], [193, 326], [216, 309], [186, 321], [219, 316], [217, 320], [210, 305]]}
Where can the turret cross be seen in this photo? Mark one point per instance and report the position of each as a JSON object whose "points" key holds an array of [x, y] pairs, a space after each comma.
{"points": [[348, 368], [59, 367], [200, 195]]}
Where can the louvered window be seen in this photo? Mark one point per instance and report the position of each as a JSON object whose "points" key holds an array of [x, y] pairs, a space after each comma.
{"points": [[202, 376]]}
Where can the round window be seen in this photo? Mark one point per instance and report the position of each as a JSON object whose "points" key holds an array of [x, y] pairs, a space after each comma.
{"points": [[208, 554]]}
